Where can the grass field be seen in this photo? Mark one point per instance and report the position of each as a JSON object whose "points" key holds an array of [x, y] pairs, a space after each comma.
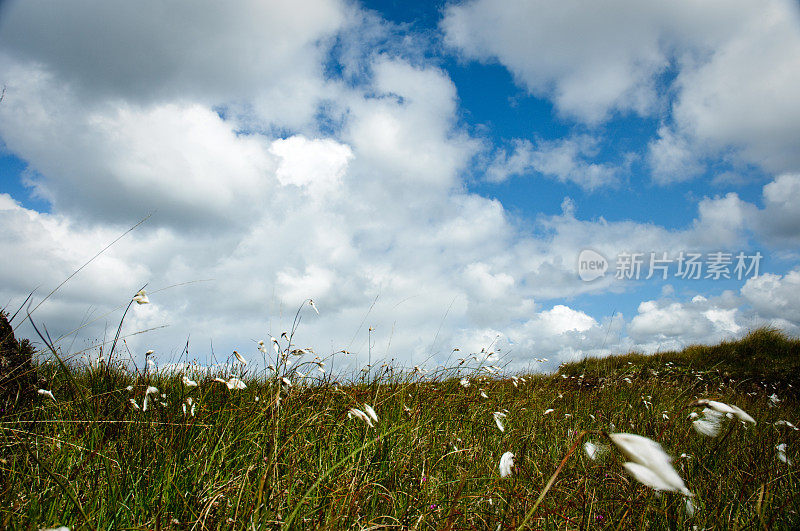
{"points": [[277, 456]]}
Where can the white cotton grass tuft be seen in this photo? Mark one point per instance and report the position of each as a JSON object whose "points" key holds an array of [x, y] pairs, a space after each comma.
{"points": [[710, 424], [239, 357], [355, 412], [371, 412], [48, 394], [311, 303], [188, 382], [548, 411], [483, 394], [594, 451], [787, 424], [498, 419], [141, 297], [190, 403], [713, 414], [150, 390], [464, 382], [134, 404], [649, 463], [689, 507], [235, 384], [781, 449], [506, 464], [727, 409]]}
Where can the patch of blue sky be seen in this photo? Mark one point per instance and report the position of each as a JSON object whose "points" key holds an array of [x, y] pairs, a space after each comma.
{"points": [[12, 182]]}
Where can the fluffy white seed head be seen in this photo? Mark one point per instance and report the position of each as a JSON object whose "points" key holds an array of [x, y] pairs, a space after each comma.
{"points": [[48, 394], [355, 412], [506, 464], [498, 419], [727, 409], [710, 424], [649, 463], [592, 450], [781, 448], [371, 412], [141, 297], [235, 383]]}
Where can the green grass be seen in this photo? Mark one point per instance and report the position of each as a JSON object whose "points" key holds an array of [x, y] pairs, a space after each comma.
{"points": [[90, 460]]}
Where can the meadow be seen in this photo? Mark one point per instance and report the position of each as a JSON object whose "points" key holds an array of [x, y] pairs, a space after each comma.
{"points": [[115, 448]]}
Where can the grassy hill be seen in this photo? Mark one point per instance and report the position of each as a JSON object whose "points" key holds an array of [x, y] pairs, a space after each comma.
{"points": [[90, 458]]}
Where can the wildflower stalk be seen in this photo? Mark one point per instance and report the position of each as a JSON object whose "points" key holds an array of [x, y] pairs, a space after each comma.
{"points": [[106, 372], [552, 480]]}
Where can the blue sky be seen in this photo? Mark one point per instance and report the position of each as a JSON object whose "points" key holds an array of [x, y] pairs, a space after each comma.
{"points": [[452, 159]]}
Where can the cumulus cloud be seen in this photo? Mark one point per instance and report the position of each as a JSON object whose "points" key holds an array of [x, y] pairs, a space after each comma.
{"points": [[743, 96], [591, 60], [566, 160], [779, 220], [671, 158], [731, 70], [665, 322], [764, 300], [317, 166], [114, 161], [723, 221], [265, 54], [775, 297]]}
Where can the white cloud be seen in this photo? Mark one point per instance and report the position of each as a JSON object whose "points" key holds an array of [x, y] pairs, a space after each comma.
{"points": [[405, 133], [698, 321], [744, 95], [566, 160], [671, 158], [590, 59], [562, 319], [779, 220], [264, 53], [765, 300], [775, 296], [736, 66], [315, 165], [722, 221], [116, 162]]}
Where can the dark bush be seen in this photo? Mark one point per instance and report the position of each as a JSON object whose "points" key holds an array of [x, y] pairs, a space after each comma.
{"points": [[17, 373]]}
